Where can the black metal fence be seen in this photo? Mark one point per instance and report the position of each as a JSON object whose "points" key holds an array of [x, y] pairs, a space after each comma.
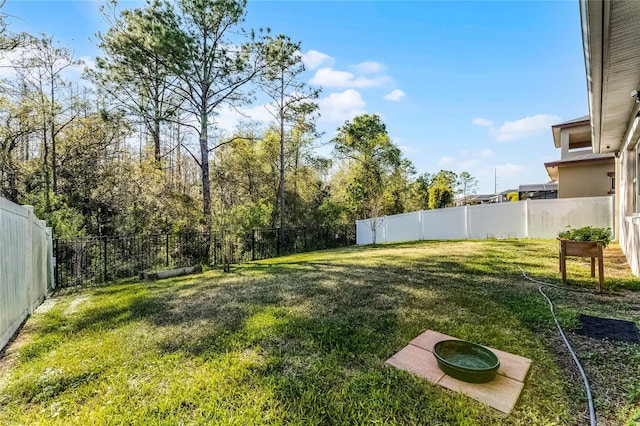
{"points": [[94, 260]]}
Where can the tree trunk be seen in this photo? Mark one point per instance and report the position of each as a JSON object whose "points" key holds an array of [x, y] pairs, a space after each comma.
{"points": [[53, 137], [282, 152], [178, 158], [156, 140], [204, 166], [281, 189], [45, 165]]}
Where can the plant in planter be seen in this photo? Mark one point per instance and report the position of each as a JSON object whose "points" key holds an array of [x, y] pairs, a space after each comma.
{"points": [[587, 233], [587, 241]]}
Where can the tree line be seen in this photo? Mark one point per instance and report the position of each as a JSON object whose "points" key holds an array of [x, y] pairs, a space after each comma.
{"points": [[134, 146]]}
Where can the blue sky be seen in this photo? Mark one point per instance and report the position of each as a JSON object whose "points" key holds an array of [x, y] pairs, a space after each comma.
{"points": [[462, 86]]}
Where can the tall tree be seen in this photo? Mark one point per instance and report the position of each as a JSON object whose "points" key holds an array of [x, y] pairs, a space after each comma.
{"points": [[15, 127], [292, 99], [467, 184], [446, 178], [371, 156], [134, 71], [440, 196], [212, 66], [41, 68], [8, 40], [419, 192]]}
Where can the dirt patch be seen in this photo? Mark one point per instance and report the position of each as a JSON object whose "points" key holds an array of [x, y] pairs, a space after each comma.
{"points": [[73, 306], [9, 356], [46, 306], [615, 262]]}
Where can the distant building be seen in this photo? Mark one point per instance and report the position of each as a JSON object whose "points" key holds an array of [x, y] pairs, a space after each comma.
{"points": [[538, 191], [580, 172], [474, 199], [502, 197]]}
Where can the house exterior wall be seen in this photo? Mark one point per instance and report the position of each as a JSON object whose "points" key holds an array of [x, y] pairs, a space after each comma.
{"points": [[588, 180], [627, 211], [565, 134]]}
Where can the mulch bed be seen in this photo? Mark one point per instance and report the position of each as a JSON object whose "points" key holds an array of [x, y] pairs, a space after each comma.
{"points": [[608, 329]]}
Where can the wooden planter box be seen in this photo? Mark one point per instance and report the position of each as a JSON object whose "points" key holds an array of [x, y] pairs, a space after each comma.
{"points": [[591, 249]]}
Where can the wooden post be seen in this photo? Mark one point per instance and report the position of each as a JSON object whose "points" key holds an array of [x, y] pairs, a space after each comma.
{"points": [[563, 261], [600, 267]]}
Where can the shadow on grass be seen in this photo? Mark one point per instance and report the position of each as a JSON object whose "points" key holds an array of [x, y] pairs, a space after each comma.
{"points": [[324, 324]]}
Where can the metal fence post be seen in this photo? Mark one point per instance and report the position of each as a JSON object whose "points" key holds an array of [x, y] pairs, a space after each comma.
{"points": [[105, 258], [278, 242], [56, 256]]}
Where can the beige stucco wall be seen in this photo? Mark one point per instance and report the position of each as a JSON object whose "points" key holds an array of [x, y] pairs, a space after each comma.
{"points": [[589, 180]]}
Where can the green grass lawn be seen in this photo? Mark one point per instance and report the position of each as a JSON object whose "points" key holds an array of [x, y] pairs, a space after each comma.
{"points": [[303, 340]]}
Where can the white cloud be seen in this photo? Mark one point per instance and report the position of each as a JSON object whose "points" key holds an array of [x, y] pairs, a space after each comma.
{"points": [[332, 78], [443, 161], [88, 61], [395, 95], [328, 77], [341, 106], [72, 73], [369, 67], [408, 149], [227, 118], [525, 127], [482, 122], [313, 59], [486, 153], [75, 72], [8, 58]]}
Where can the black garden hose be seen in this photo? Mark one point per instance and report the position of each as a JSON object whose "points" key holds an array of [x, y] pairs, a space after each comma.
{"points": [[592, 412]]}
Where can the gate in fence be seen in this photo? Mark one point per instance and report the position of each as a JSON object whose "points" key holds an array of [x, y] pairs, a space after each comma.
{"points": [[95, 260]]}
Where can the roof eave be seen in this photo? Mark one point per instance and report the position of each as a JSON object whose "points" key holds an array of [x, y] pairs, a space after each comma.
{"points": [[593, 23], [583, 162], [556, 129], [552, 171]]}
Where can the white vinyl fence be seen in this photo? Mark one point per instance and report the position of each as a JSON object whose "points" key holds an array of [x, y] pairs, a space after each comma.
{"points": [[26, 265], [521, 219]]}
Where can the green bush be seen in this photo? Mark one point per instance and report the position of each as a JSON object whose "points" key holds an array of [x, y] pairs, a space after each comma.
{"points": [[587, 233]]}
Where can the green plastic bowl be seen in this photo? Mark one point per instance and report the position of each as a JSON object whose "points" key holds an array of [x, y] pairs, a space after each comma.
{"points": [[466, 361]]}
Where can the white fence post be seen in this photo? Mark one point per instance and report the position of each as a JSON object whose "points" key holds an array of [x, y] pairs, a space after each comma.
{"points": [[613, 217], [51, 261], [526, 218], [466, 222]]}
